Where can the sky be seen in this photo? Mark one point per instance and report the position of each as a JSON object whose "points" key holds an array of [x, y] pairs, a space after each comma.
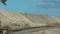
{"points": [[50, 7]]}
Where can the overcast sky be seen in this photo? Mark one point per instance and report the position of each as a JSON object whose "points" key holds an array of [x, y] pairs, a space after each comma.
{"points": [[50, 7]]}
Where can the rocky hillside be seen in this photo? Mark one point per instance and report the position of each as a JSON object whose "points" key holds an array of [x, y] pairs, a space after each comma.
{"points": [[20, 20]]}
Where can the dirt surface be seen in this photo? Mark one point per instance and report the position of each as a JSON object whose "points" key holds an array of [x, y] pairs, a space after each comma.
{"points": [[16, 20]]}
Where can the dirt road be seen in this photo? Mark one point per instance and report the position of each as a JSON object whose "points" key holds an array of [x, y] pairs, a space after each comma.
{"points": [[32, 29]]}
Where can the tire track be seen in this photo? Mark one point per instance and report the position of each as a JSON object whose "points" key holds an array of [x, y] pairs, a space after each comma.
{"points": [[32, 29]]}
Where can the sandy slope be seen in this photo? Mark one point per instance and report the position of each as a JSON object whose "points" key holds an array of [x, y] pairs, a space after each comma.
{"points": [[20, 20]]}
